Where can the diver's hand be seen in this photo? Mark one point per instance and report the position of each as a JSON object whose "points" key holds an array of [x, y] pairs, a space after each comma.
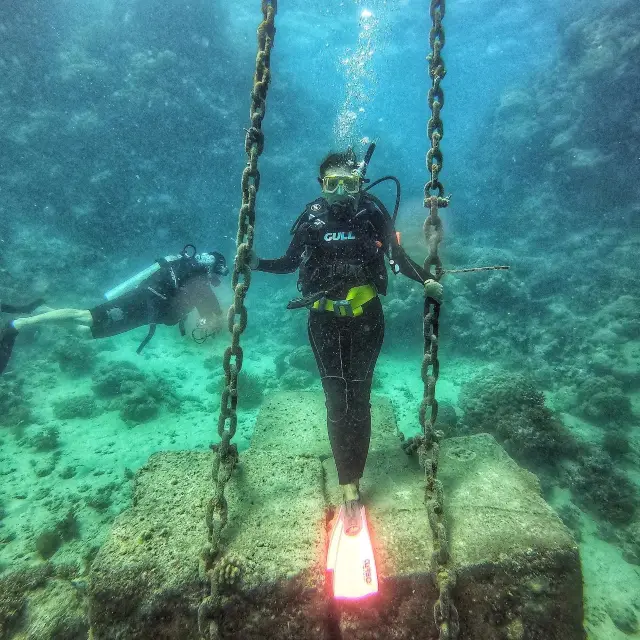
{"points": [[433, 289], [212, 324], [252, 260]]}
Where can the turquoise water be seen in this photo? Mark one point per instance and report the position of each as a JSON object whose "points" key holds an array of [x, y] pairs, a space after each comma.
{"points": [[122, 126]]}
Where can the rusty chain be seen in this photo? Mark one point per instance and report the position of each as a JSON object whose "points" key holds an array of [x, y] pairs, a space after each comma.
{"points": [[427, 444], [225, 452]]}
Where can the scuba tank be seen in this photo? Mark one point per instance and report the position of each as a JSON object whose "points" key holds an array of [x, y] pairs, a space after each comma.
{"points": [[134, 281]]}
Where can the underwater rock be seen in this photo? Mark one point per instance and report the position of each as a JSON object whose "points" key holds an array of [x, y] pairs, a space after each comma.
{"points": [[447, 419], [302, 358], [517, 567], [71, 407]]}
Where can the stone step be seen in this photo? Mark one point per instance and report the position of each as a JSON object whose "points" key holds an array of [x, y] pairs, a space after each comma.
{"points": [[518, 567]]}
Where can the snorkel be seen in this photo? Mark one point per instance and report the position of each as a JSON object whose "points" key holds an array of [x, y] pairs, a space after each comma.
{"points": [[364, 165]]}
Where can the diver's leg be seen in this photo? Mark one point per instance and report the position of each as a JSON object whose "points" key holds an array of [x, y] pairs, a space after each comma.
{"points": [[366, 337], [9, 332], [325, 340], [59, 316]]}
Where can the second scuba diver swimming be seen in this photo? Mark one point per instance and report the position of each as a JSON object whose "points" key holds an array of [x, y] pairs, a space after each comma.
{"points": [[174, 287], [339, 245]]}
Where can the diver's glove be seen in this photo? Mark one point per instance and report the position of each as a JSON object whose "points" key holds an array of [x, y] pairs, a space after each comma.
{"points": [[433, 289]]}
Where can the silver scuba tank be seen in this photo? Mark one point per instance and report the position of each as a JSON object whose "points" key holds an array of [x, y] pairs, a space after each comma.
{"points": [[134, 281]]}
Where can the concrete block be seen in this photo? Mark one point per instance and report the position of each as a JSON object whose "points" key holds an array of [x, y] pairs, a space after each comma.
{"points": [[144, 582], [295, 422], [518, 567]]}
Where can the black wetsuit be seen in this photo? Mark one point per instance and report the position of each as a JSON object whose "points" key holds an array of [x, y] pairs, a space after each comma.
{"points": [[166, 297], [336, 250]]}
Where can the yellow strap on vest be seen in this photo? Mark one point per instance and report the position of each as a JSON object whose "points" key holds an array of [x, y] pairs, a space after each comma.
{"points": [[356, 297]]}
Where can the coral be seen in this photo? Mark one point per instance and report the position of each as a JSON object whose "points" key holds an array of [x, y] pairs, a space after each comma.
{"points": [[68, 472], [139, 406], [137, 397], [15, 411], [109, 378], [45, 440], [616, 443], [75, 357], [598, 485], [294, 379], [50, 540], [511, 408], [227, 572], [601, 400], [102, 499], [45, 466], [250, 389], [14, 588], [47, 543], [71, 407]]}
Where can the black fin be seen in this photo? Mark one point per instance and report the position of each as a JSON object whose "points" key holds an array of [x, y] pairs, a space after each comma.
{"points": [[21, 308], [7, 338]]}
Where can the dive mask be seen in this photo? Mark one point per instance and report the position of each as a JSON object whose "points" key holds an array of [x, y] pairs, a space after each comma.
{"points": [[214, 263], [350, 184]]}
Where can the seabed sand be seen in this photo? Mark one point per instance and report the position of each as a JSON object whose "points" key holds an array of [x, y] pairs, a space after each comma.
{"points": [[104, 451]]}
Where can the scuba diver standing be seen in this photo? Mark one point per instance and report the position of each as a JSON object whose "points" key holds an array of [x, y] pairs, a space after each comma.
{"points": [[164, 293], [339, 244]]}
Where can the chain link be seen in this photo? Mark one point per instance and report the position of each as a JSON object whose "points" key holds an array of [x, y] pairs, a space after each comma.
{"points": [[427, 445], [225, 455]]}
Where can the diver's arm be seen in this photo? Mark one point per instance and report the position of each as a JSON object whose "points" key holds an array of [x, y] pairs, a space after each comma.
{"points": [[288, 263], [406, 265], [208, 304]]}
